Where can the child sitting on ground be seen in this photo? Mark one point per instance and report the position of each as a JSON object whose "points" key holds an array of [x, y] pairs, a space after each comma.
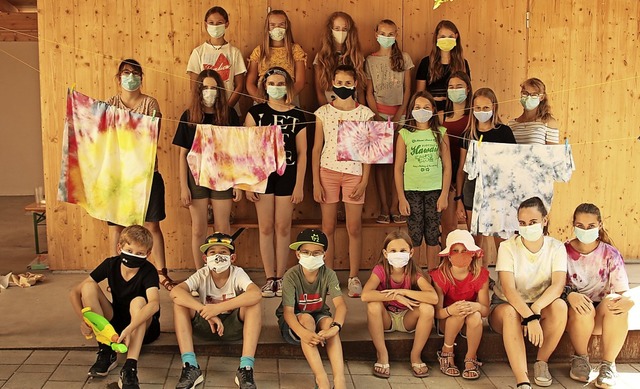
{"points": [[134, 310], [304, 316], [228, 309]]}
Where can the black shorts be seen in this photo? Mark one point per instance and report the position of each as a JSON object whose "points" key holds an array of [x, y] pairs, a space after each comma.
{"points": [[155, 208], [120, 321], [282, 185], [468, 191], [202, 192]]}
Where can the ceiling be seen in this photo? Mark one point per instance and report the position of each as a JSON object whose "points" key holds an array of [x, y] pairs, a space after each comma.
{"points": [[22, 6], [18, 21]]}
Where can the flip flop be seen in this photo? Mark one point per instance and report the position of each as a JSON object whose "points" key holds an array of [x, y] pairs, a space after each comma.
{"points": [[383, 366], [420, 366]]}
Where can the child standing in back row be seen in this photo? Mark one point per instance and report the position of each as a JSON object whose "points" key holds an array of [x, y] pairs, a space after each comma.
{"points": [[388, 92]]}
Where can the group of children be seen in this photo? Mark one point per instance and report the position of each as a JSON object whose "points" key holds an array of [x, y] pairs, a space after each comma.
{"points": [[538, 276], [544, 288]]}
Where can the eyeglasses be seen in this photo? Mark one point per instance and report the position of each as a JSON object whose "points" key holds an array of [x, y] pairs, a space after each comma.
{"points": [[527, 94], [129, 72], [311, 253]]}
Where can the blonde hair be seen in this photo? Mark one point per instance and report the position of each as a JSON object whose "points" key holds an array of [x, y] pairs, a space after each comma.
{"points": [[472, 127], [328, 61], [136, 234], [265, 47], [475, 267], [411, 269], [276, 70], [397, 60], [592, 209], [543, 112]]}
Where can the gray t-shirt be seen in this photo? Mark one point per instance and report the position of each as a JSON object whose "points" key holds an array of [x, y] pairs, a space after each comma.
{"points": [[388, 85]]}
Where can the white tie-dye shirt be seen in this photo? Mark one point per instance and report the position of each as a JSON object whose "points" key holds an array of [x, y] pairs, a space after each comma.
{"points": [[598, 273], [508, 174]]}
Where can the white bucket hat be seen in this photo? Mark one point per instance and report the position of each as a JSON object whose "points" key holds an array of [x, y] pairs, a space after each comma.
{"points": [[462, 237]]}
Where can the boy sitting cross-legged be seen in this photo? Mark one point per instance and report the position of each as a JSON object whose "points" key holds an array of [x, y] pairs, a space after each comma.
{"points": [[228, 309], [304, 317]]}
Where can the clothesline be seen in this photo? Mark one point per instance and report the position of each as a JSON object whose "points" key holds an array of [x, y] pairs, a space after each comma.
{"points": [[177, 121]]}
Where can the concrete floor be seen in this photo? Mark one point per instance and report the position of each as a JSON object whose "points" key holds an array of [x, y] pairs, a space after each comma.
{"points": [[40, 345]]}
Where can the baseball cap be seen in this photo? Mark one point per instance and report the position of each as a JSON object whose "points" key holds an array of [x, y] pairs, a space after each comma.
{"points": [[459, 236], [312, 236], [218, 239]]}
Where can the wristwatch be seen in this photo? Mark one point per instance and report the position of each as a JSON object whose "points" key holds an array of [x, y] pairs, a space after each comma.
{"points": [[456, 198]]}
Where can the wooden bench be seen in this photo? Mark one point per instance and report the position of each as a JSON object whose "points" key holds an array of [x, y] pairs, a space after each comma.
{"points": [[39, 214]]}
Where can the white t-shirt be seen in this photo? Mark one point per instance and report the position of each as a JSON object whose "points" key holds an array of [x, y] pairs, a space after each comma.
{"points": [[226, 60], [330, 117], [531, 271], [201, 281]]}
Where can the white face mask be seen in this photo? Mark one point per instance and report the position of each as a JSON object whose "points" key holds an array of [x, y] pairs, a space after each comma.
{"points": [[339, 36], [216, 31], [218, 263], [531, 233], [483, 116], [399, 259], [530, 102], [587, 236], [422, 115], [310, 262], [277, 34], [209, 97]]}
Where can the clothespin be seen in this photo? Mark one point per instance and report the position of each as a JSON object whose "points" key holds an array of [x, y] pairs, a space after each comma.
{"points": [[566, 145], [480, 141], [73, 87], [153, 115], [388, 121]]}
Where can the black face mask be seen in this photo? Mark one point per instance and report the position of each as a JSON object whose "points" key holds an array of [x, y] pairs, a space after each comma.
{"points": [[343, 92], [132, 261]]}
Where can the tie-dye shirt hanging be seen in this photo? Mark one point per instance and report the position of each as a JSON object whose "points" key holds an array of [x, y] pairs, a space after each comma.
{"points": [[367, 142], [508, 174], [108, 157], [236, 157]]}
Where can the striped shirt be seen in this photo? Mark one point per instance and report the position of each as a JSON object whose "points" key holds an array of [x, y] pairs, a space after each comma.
{"points": [[534, 133]]}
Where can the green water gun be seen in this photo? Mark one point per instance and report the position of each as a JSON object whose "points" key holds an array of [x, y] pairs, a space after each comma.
{"points": [[103, 330]]}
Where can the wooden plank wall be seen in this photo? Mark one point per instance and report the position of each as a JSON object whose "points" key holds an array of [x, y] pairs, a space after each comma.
{"points": [[587, 53], [161, 35]]}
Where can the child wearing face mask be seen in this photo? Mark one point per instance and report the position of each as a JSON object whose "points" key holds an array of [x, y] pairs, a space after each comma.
{"points": [[331, 177], [208, 106], [598, 296], [445, 59], [277, 49], [388, 92], [228, 309], [219, 55], [340, 46], [134, 306], [399, 298], [536, 125], [532, 272], [423, 173], [275, 206], [304, 317], [484, 123], [462, 285]]}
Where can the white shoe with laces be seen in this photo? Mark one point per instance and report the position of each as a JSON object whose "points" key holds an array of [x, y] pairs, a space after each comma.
{"points": [[354, 286]]}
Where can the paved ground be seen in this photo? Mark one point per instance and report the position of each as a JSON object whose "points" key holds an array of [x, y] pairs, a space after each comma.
{"points": [[26, 369]]}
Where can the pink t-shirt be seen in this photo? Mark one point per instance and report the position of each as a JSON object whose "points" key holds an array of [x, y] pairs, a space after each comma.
{"points": [[461, 290], [392, 306], [598, 273]]}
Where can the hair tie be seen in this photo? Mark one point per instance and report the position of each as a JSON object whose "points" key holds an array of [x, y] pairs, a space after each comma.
{"points": [[272, 71]]}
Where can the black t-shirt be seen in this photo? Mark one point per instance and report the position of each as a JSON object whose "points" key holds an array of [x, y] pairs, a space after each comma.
{"points": [[124, 291], [439, 87], [186, 132], [288, 121], [500, 134]]}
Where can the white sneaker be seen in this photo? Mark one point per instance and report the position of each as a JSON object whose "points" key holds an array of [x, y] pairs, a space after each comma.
{"points": [[267, 289], [355, 287], [279, 287]]}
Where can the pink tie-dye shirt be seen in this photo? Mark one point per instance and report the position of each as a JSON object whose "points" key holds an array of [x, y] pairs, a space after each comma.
{"points": [[236, 157], [598, 273], [365, 141]]}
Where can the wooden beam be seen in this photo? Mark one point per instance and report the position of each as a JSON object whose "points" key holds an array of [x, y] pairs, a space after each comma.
{"points": [[7, 7], [19, 25]]}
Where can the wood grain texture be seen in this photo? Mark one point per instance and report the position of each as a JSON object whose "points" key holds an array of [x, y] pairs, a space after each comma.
{"points": [[569, 45]]}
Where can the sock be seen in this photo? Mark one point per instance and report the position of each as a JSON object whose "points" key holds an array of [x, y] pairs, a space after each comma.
{"points": [[130, 364], [246, 362], [189, 358]]}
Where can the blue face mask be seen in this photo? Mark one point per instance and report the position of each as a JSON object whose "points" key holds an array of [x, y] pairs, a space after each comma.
{"points": [[130, 82], [457, 95], [276, 92], [586, 236], [386, 41]]}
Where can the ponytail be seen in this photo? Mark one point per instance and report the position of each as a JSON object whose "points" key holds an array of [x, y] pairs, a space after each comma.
{"points": [[592, 209]]}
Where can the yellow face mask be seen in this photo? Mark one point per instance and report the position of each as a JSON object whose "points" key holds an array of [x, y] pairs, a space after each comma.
{"points": [[446, 44]]}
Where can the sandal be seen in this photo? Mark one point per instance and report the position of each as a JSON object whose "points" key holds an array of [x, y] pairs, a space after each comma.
{"points": [[472, 373], [446, 367], [381, 370], [167, 282], [398, 219], [383, 219], [419, 373]]}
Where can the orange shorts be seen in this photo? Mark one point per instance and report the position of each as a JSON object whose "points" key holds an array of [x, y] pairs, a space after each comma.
{"points": [[332, 182]]}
